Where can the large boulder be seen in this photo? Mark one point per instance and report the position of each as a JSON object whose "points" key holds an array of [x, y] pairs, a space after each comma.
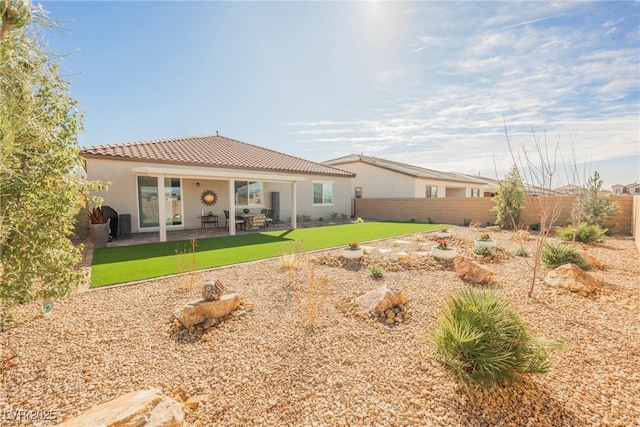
{"points": [[379, 300], [149, 408], [472, 271], [201, 311], [574, 279]]}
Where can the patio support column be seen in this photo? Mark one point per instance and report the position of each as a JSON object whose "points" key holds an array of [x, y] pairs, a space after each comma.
{"points": [[231, 222], [162, 209], [294, 204]]}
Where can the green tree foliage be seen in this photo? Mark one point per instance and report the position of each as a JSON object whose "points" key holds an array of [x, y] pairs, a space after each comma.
{"points": [[509, 202], [597, 206], [40, 188], [481, 339]]}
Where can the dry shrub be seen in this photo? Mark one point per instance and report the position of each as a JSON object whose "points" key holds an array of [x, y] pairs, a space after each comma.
{"points": [[186, 261], [311, 297]]}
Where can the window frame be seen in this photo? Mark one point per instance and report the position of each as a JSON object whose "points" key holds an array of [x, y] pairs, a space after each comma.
{"points": [[431, 191], [329, 185], [248, 184]]}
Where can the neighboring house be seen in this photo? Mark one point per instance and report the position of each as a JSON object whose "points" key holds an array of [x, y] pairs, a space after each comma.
{"points": [[631, 189], [381, 178], [242, 176], [570, 190]]}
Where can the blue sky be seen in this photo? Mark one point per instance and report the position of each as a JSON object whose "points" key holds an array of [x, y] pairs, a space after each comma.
{"points": [[425, 83]]}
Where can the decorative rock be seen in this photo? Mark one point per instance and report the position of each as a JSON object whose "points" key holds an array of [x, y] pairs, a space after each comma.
{"points": [[139, 408], [212, 291], [574, 279], [523, 236], [379, 300], [200, 311], [194, 401], [472, 271], [592, 260]]}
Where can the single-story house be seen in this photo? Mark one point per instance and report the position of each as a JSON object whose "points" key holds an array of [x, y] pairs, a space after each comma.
{"points": [[174, 183], [631, 189], [381, 178]]}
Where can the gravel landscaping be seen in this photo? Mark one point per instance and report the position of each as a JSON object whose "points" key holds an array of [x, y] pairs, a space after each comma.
{"points": [[271, 367]]}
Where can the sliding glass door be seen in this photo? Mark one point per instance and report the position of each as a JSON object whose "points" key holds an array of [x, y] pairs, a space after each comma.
{"points": [[148, 201]]}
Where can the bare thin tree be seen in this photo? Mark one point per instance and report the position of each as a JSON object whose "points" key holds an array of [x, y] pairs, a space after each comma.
{"points": [[538, 169]]}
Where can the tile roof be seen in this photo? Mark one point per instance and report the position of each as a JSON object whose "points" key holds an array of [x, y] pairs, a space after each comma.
{"points": [[211, 151], [415, 171]]}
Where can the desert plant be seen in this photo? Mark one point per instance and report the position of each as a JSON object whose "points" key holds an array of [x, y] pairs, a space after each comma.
{"points": [[333, 216], [311, 298], [290, 259], [483, 342], [485, 251], [186, 261], [509, 202], [598, 207], [97, 215], [376, 271], [344, 217], [521, 252], [554, 256], [538, 174], [40, 185], [585, 233]]}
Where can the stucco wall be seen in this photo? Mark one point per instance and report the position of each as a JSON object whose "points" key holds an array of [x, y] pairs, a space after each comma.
{"points": [[379, 182], [457, 210], [122, 193]]}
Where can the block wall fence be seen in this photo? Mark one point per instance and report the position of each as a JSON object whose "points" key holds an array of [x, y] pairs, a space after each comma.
{"points": [[457, 210]]}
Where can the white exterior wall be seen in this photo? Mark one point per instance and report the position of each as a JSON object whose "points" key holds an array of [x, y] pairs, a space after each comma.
{"points": [[122, 193], [379, 182]]}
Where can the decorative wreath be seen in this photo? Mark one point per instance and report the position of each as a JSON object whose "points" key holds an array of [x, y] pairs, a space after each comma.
{"points": [[208, 197]]}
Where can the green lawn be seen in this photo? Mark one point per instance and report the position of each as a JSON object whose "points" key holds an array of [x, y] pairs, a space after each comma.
{"points": [[139, 262]]}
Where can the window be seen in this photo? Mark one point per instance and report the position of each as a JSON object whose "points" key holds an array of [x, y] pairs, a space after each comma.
{"points": [[249, 193], [431, 191], [148, 201], [475, 192], [358, 191], [637, 189], [323, 193]]}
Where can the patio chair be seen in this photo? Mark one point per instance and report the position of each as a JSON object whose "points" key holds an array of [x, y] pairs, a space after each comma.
{"points": [[269, 218], [226, 220]]}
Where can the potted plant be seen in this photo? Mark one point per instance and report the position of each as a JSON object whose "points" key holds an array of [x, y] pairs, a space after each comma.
{"points": [[99, 227], [352, 251], [443, 251], [443, 233], [485, 240]]}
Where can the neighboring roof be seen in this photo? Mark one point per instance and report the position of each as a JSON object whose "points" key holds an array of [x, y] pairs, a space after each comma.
{"points": [[403, 168], [210, 151], [570, 189]]}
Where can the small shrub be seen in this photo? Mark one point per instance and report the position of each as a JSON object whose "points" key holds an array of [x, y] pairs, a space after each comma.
{"points": [[344, 216], [333, 216], [311, 299], [485, 251], [359, 220], [186, 262], [585, 233], [535, 227], [522, 252], [483, 342], [376, 271], [554, 256]]}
